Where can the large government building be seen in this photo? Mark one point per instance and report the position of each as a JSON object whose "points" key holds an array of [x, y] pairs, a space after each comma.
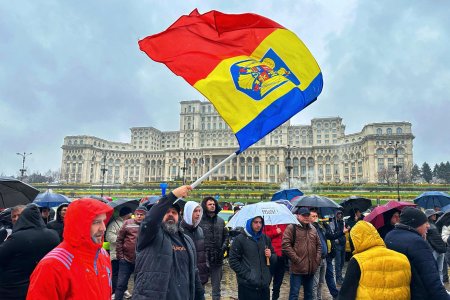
{"points": [[319, 152]]}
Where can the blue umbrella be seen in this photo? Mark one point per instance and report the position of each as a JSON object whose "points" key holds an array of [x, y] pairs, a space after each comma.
{"points": [[445, 208], [286, 194], [49, 199], [433, 199]]}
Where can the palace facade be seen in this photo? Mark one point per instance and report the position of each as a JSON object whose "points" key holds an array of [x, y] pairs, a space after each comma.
{"points": [[319, 152]]}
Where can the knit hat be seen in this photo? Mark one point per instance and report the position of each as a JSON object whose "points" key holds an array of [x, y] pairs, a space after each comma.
{"points": [[413, 217], [141, 208], [124, 211]]}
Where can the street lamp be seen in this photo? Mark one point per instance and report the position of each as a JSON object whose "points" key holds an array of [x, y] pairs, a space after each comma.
{"points": [[23, 170], [397, 167], [103, 169], [288, 165], [184, 166]]}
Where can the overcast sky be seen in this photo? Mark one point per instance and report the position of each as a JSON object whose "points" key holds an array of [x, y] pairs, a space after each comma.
{"points": [[75, 68]]}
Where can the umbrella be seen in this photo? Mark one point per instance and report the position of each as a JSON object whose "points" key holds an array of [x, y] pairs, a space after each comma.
{"points": [[49, 199], [98, 198], [443, 220], [14, 192], [285, 202], [118, 204], [273, 213], [286, 194], [376, 215], [445, 208], [149, 201], [433, 199], [353, 203], [315, 201]]}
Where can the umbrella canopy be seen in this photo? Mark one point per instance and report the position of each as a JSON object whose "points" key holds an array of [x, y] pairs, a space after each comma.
{"points": [[315, 201], [286, 194], [49, 199], [376, 216], [149, 201], [102, 199], [14, 192], [119, 203], [433, 199], [352, 203], [445, 208], [285, 202], [443, 220], [273, 213]]}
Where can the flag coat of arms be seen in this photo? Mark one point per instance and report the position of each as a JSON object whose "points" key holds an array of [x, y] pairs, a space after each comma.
{"points": [[255, 72]]}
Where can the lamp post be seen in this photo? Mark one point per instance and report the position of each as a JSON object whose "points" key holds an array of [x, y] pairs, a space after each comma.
{"points": [[184, 166], [397, 168], [288, 165], [23, 170], [103, 169]]}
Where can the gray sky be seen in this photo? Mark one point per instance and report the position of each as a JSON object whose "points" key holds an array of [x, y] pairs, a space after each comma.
{"points": [[74, 67]]}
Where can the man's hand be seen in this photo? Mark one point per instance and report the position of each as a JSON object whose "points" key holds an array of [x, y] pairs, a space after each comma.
{"points": [[346, 229], [267, 252], [182, 191]]}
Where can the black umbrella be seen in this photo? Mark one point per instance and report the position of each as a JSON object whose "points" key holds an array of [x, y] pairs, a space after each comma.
{"points": [[98, 198], [355, 203], [14, 192], [119, 203], [444, 220], [315, 201]]}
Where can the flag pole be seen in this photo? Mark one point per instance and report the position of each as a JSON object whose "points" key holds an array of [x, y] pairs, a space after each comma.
{"points": [[206, 175]]}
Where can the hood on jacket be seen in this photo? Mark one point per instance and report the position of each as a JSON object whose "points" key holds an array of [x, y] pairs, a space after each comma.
{"points": [[189, 208], [218, 208], [249, 230], [364, 236], [58, 211], [30, 218], [78, 221]]}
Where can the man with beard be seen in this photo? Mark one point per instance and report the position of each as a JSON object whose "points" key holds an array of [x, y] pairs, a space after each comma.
{"points": [[166, 262], [216, 241]]}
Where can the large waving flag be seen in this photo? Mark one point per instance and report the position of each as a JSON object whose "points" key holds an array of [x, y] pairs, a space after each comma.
{"points": [[256, 73]]}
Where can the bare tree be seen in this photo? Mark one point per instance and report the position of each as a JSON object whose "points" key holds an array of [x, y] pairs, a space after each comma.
{"points": [[386, 175]]}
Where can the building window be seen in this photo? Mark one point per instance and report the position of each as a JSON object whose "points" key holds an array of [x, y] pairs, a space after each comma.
{"points": [[399, 130], [389, 131], [379, 131]]}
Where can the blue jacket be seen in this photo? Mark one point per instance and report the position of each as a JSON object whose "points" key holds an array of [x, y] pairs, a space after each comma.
{"points": [[425, 281]]}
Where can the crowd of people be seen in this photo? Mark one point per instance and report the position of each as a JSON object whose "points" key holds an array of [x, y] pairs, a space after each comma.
{"points": [[174, 248]]}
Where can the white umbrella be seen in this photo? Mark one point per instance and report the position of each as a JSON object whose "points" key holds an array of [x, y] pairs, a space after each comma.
{"points": [[273, 214]]}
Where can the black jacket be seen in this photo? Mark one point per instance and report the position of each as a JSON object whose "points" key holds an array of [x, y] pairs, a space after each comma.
{"points": [[20, 253], [248, 260], [58, 224], [154, 258], [435, 239], [196, 234], [216, 235], [425, 281]]}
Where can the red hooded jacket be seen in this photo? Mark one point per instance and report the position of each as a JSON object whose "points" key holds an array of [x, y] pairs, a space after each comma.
{"points": [[78, 268], [271, 232]]}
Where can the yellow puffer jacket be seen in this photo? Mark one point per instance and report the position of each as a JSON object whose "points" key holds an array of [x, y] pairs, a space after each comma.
{"points": [[385, 274]]}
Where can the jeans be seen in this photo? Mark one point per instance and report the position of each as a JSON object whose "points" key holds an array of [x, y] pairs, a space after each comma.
{"points": [[125, 271], [339, 261], [329, 278], [296, 282], [439, 257], [278, 273], [216, 277], [115, 273], [319, 279]]}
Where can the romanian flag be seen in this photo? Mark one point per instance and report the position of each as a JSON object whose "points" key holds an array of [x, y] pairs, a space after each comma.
{"points": [[256, 73]]}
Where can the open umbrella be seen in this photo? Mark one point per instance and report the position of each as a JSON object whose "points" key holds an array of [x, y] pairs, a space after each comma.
{"points": [[353, 202], [119, 203], [273, 213], [14, 192], [49, 199], [285, 202], [432, 199], [286, 194], [149, 201], [99, 198], [376, 216], [326, 206], [443, 220]]}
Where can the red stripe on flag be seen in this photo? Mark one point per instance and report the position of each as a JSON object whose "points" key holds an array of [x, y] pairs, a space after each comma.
{"points": [[194, 45]]}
